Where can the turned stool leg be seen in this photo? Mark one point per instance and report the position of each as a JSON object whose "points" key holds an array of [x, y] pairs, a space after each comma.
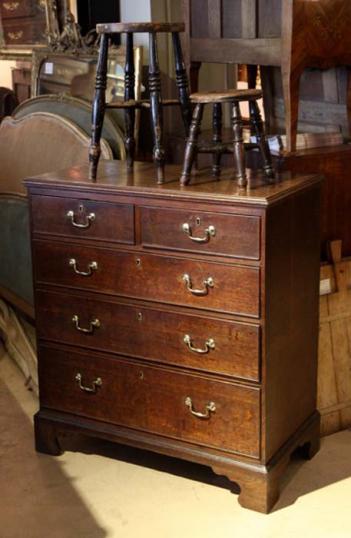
{"points": [[191, 145], [182, 82], [129, 95], [217, 138], [257, 124], [98, 107], [156, 108], [239, 150]]}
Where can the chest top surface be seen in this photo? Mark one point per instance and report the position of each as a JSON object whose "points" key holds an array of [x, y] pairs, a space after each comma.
{"points": [[114, 179]]}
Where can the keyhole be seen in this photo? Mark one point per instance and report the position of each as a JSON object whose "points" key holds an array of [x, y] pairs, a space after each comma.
{"points": [[198, 221], [140, 316], [81, 208], [141, 375], [138, 262]]}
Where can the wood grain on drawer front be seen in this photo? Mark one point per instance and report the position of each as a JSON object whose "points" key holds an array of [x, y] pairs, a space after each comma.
{"points": [[233, 289], [23, 31], [232, 348], [152, 399], [210, 233], [101, 220], [17, 8]]}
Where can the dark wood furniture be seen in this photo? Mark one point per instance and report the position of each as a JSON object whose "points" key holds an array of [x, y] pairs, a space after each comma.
{"points": [[130, 104], [8, 102], [218, 147], [23, 22], [291, 34], [182, 321], [21, 82], [333, 163]]}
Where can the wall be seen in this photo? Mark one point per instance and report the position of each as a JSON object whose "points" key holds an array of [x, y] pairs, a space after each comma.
{"points": [[136, 11], [5, 73]]}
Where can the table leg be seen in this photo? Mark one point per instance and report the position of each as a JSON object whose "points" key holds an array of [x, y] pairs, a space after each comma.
{"points": [[129, 95], [257, 125], [191, 145], [182, 82], [239, 150], [217, 138], [98, 107], [156, 108]]}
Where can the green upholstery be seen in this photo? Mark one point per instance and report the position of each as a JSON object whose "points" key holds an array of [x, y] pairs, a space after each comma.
{"points": [[15, 253]]}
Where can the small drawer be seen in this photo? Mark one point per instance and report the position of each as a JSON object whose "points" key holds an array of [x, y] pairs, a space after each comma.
{"points": [[23, 31], [210, 233], [205, 285], [83, 219], [201, 343], [10, 9], [192, 408]]}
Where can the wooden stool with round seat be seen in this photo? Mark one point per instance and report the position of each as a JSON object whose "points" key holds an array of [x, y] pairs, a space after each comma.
{"points": [[155, 103], [217, 147]]}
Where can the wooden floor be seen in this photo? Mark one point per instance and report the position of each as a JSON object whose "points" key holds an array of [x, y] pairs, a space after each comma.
{"points": [[103, 492]]}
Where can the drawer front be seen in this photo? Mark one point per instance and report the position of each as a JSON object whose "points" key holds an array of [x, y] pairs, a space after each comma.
{"points": [[83, 219], [211, 345], [210, 233], [24, 32], [222, 287], [17, 8], [152, 399]]}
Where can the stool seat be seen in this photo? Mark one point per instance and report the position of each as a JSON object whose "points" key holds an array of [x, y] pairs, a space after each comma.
{"points": [[225, 96], [218, 147], [140, 27]]}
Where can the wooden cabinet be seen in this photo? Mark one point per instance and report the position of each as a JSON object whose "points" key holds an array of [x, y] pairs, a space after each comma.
{"points": [[21, 82], [23, 22], [196, 341], [290, 34]]}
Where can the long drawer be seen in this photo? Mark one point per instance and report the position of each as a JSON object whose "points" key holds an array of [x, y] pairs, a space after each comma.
{"points": [[210, 233], [152, 399], [83, 219], [199, 284], [202, 343]]}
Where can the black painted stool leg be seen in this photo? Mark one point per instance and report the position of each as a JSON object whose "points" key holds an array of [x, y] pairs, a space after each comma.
{"points": [[191, 145], [98, 107], [257, 124], [182, 82], [156, 108], [217, 138], [129, 95], [239, 150]]}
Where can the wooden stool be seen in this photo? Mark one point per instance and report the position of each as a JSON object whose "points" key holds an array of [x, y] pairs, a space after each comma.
{"points": [[217, 147], [130, 104]]}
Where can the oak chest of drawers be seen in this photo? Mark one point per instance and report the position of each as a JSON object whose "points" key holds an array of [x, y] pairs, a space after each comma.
{"points": [[179, 320], [23, 22]]}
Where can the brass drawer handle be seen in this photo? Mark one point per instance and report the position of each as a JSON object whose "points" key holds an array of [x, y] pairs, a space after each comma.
{"points": [[210, 408], [93, 388], [91, 267], [94, 324], [11, 6], [209, 232], [209, 344], [15, 36], [208, 283], [89, 219]]}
